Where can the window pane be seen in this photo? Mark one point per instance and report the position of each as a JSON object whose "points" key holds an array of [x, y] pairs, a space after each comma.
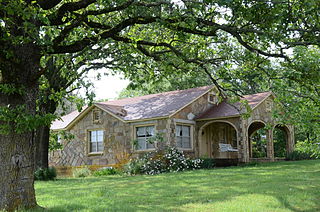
{"points": [[93, 147], [100, 147], [150, 146], [93, 136], [141, 143], [186, 142], [179, 142], [100, 136], [100, 132], [149, 131], [185, 131], [141, 131], [178, 130]]}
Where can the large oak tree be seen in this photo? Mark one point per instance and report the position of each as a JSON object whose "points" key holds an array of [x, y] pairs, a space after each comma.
{"points": [[170, 33]]}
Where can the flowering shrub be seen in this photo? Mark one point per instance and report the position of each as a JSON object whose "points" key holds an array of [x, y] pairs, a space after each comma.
{"points": [[168, 160]]}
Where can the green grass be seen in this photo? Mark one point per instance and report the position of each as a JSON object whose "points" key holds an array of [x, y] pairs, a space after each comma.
{"points": [[280, 186]]}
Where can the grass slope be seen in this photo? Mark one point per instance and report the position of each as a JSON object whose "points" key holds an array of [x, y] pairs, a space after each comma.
{"points": [[280, 186]]}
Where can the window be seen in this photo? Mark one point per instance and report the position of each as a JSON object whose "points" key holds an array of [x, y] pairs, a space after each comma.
{"points": [[143, 134], [212, 98], [183, 136], [59, 139], [96, 141], [96, 116]]}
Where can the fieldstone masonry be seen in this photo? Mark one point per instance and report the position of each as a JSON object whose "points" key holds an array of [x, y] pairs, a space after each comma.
{"points": [[119, 134]]}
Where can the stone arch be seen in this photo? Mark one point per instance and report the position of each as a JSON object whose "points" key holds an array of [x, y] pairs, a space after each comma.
{"points": [[253, 127], [208, 147]]}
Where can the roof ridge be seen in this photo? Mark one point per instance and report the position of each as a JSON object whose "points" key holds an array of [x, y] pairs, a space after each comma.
{"points": [[154, 94]]}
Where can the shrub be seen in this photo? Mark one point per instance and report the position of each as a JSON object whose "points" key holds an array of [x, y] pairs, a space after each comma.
{"points": [[105, 171], [305, 150], [207, 163], [81, 172], [45, 174], [133, 167], [168, 160]]}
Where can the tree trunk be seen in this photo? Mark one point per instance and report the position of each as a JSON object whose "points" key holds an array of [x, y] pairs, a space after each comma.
{"points": [[42, 147], [43, 136], [17, 148], [17, 158], [16, 171]]}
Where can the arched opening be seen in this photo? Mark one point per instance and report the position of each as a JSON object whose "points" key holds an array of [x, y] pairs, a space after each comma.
{"points": [[257, 135], [219, 140], [280, 141]]}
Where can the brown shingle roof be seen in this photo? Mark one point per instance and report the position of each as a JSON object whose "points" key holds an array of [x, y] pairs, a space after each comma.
{"points": [[144, 107], [225, 109], [65, 120]]}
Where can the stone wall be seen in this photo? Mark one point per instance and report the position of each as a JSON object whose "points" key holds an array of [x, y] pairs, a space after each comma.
{"points": [[117, 142]]}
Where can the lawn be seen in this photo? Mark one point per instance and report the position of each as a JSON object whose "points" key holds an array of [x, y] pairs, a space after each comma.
{"points": [[279, 186]]}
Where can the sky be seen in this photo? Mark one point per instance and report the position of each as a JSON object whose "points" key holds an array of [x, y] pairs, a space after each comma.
{"points": [[108, 87]]}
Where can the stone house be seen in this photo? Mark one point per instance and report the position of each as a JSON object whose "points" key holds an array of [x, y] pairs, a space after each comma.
{"points": [[193, 120]]}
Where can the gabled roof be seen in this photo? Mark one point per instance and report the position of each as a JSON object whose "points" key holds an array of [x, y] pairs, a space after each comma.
{"points": [[225, 109], [142, 107]]}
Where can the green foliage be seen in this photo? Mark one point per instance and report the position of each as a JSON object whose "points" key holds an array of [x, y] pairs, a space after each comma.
{"points": [[57, 139], [158, 138], [81, 172], [207, 163], [259, 144], [17, 119], [45, 174], [105, 171], [305, 150], [168, 160], [279, 143]]}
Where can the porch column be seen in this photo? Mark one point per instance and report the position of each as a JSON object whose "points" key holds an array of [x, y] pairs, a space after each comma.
{"points": [[270, 150], [290, 141], [244, 141]]}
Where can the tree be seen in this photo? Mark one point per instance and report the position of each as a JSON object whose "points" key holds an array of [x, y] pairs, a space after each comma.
{"points": [[185, 35]]}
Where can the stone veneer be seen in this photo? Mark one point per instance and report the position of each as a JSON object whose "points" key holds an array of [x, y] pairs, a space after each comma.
{"points": [[118, 135]]}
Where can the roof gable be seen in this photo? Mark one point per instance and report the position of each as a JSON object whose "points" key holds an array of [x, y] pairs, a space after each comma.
{"points": [[226, 109]]}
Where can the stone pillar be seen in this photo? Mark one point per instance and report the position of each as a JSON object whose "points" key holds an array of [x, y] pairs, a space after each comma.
{"points": [[290, 139], [244, 141], [270, 149]]}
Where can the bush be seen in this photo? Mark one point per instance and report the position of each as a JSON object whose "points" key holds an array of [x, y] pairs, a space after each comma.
{"points": [[45, 174], [305, 150], [160, 161], [297, 155], [105, 171], [81, 172], [207, 163]]}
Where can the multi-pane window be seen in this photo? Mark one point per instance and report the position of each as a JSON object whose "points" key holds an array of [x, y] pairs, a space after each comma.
{"points": [[96, 141], [183, 136], [143, 134]]}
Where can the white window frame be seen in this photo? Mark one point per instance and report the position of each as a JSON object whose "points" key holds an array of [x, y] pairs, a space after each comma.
{"points": [[145, 148], [190, 135], [215, 98], [97, 137]]}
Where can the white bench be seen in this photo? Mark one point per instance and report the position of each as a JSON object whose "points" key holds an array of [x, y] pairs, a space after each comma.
{"points": [[226, 148]]}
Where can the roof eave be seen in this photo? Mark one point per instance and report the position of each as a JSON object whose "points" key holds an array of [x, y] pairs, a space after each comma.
{"points": [[216, 118]]}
